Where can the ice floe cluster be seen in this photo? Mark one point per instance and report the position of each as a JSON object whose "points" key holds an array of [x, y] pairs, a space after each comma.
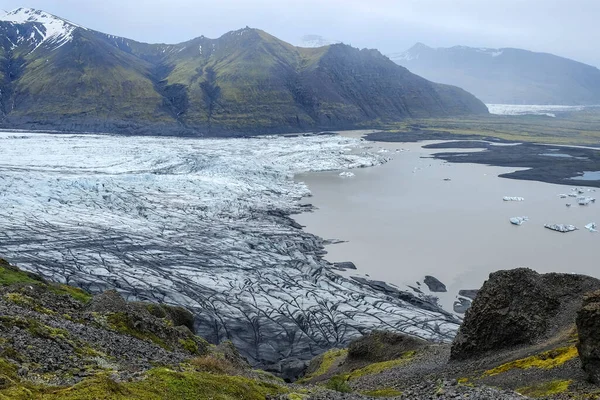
{"points": [[200, 223]]}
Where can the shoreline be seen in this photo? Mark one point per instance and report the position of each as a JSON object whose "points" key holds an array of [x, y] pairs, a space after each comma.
{"points": [[573, 162]]}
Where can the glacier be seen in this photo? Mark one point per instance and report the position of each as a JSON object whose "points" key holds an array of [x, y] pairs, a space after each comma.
{"points": [[202, 223]]}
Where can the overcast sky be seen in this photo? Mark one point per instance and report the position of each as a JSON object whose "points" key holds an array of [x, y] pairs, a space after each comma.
{"points": [[570, 28]]}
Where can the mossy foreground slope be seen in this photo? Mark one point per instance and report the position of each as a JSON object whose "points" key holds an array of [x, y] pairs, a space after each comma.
{"points": [[58, 342]]}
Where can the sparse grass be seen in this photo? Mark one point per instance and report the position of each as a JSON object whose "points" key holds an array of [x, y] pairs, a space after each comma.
{"points": [[547, 360], [381, 366], [189, 345], [34, 327], [339, 383], [157, 384], [78, 294], [327, 362], [211, 363], [10, 276], [121, 323], [386, 392], [545, 389], [26, 302]]}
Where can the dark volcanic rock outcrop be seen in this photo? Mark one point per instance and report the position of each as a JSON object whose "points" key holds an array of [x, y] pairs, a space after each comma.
{"points": [[435, 285], [588, 326], [383, 346], [519, 307]]}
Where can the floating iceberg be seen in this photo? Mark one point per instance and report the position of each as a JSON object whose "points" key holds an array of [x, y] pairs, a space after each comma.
{"points": [[592, 227], [561, 227], [584, 201], [518, 220], [347, 174], [508, 198]]}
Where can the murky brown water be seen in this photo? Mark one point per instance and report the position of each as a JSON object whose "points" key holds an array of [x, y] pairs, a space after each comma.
{"points": [[402, 223]]}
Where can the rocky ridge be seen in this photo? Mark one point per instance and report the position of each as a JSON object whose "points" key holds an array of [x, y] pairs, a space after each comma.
{"points": [[519, 340], [59, 342], [56, 75]]}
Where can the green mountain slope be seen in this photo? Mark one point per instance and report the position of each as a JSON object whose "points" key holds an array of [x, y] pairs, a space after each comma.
{"points": [[57, 75]]}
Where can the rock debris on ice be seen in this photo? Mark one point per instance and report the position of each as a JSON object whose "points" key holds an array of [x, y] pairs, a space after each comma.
{"points": [[561, 227]]}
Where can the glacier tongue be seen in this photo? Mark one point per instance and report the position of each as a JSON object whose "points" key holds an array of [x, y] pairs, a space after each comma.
{"points": [[200, 223]]}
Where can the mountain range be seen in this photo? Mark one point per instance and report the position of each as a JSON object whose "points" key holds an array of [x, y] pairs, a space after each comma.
{"points": [[57, 75], [507, 75]]}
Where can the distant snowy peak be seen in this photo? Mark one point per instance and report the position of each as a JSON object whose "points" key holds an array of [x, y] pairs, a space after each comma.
{"points": [[481, 50], [315, 41], [50, 30], [411, 54], [419, 50]]}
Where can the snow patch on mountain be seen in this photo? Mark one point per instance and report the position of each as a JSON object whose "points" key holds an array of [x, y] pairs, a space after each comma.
{"points": [[415, 52], [314, 41], [49, 29]]}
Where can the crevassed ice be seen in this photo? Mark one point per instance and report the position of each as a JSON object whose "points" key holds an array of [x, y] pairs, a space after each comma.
{"points": [[199, 223]]}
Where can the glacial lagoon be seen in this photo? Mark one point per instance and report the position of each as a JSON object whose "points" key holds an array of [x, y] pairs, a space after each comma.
{"points": [[417, 216]]}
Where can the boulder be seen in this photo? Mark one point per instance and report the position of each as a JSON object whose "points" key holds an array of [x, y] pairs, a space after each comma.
{"points": [[588, 327], [435, 285], [109, 301], [382, 346], [519, 307], [179, 316]]}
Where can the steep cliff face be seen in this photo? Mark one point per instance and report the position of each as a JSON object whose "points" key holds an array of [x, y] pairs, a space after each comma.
{"points": [[55, 74]]}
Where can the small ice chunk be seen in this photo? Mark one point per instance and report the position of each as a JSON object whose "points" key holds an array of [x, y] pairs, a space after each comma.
{"points": [[347, 174], [509, 198], [584, 201], [592, 227], [518, 220], [563, 196], [561, 227]]}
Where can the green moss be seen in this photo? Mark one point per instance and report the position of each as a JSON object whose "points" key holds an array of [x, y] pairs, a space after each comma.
{"points": [[27, 302], [267, 375], [545, 389], [327, 362], [339, 383], [121, 323], [190, 345], [547, 360], [381, 366], [10, 276], [78, 294], [387, 392], [163, 384], [296, 396], [10, 353], [35, 328]]}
